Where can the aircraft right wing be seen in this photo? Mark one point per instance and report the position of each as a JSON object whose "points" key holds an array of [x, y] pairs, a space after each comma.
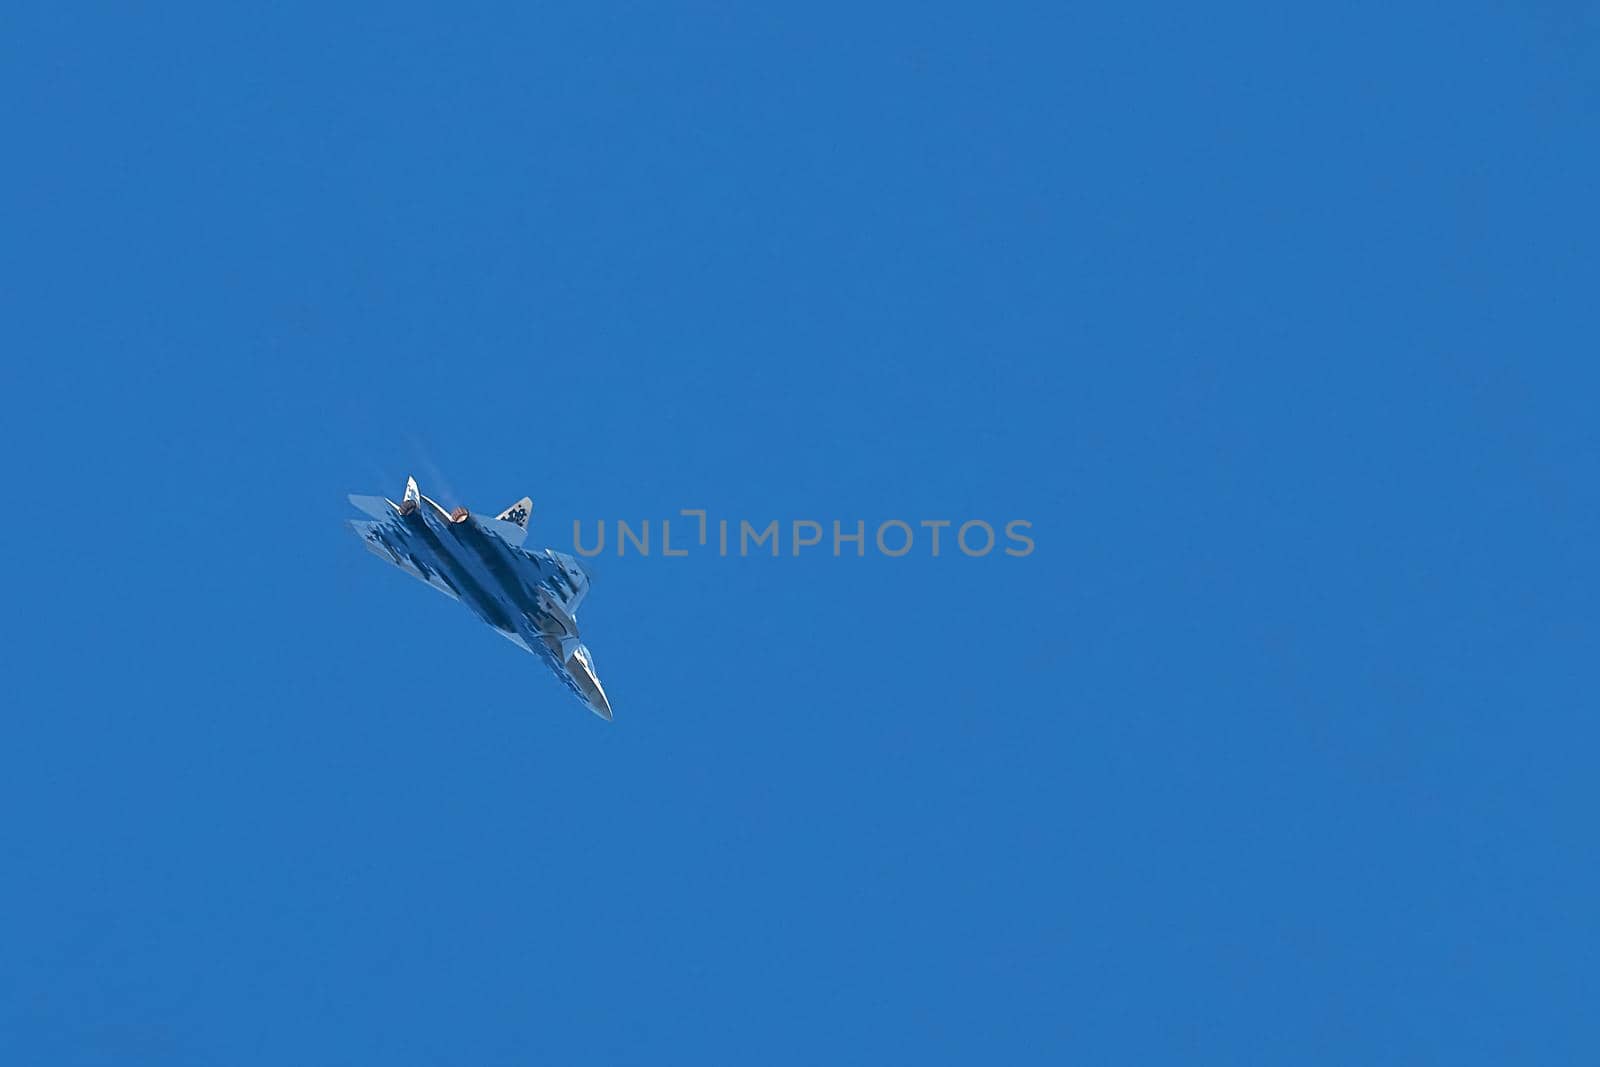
{"points": [[569, 579]]}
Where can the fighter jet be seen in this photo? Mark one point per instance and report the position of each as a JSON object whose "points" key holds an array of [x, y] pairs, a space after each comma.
{"points": [[530, 598]]}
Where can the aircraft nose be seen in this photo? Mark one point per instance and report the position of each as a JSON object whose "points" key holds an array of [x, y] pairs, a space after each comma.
{"points": [[583, 673], [595, 696]]}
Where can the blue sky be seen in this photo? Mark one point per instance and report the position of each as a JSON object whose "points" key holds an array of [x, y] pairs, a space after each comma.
{"points": [[1277, 326]]}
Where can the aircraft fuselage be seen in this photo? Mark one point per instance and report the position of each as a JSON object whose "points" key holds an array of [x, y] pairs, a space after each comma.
{"points": [[531, 598]]}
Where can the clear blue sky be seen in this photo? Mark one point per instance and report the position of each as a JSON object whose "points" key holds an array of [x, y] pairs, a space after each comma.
{"points": [[1278, 327]]}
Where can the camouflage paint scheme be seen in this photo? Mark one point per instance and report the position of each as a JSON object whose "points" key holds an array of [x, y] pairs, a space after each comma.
{"points": [[530, 598]]}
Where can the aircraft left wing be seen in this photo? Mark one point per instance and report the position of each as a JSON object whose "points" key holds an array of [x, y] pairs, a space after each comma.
{"points": [[378, 507], [368, 532]]}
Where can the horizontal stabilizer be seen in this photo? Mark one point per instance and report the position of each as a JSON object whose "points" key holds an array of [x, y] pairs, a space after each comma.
{"points": [[510, 533]]}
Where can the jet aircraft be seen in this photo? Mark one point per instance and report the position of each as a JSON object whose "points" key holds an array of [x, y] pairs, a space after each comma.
{"points": [[530, 598]]}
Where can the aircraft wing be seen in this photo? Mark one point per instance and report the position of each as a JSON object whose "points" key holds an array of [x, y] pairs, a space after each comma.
{"points": [[368, 532], [567, 577], [376, 506]]}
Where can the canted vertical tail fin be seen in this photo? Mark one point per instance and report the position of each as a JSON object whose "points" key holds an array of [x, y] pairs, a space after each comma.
{"points": [[511, 524], [517, 514], [412, 500]]}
